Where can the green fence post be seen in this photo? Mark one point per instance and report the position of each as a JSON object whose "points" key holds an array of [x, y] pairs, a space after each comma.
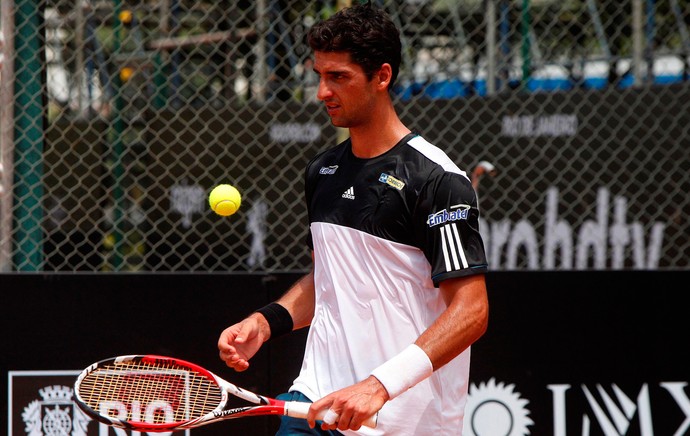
{"points": [[29, 128]]}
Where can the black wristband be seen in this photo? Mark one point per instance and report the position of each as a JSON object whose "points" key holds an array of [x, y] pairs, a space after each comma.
{"points": [[279, 319]]}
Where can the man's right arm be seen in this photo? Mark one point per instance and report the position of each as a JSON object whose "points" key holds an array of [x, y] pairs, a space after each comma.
{"points": [[241, 341]]}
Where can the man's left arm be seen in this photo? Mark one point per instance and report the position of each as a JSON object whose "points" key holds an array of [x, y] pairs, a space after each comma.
{"points": [[463, 322]]}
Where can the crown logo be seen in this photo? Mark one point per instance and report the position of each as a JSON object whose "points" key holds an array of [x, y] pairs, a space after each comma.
{"points": [[56, 393]]}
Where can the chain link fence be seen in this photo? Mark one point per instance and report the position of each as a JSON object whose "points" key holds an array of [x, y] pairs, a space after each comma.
{"points": [[117, 118]]}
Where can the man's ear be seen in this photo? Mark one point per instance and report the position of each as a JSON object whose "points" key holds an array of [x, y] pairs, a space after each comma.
{"points": [[384, 75]]}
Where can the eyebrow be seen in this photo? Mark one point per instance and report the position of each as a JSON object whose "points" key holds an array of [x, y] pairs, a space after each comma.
{"points": [[332, 72]]}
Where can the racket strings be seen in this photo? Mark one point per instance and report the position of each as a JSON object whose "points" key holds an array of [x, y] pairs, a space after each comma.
{"points": [[151, 392]]}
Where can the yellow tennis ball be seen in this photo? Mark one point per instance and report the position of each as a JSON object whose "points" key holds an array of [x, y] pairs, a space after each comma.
{"points": [[225, 200], [126, 73], [125, 16]]}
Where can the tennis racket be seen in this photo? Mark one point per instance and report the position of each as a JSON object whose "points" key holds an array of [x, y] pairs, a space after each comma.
{"points": [[161, 394]]}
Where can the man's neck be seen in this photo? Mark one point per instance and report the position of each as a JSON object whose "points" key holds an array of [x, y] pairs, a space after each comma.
{"points": [[378, 137]]}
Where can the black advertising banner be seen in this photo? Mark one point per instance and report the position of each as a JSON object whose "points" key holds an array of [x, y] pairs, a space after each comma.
{"points": [[577, 187], [595, 353], [63, 323], [566, 353]]}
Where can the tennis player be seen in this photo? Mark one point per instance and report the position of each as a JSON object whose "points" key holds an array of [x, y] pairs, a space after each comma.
{"points": [[397, 292]]}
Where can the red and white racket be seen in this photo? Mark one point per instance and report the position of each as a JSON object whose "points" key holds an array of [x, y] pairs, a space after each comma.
{"points": [[161, 394]]}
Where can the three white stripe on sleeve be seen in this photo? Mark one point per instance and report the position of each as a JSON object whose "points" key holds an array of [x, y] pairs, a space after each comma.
{"points": [[453, 252]]}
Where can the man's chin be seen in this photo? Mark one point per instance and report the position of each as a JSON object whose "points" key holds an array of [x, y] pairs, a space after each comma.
{"points": [[337, 123]]}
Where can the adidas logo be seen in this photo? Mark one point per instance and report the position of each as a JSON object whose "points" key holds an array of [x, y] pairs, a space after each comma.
{"points": [[350, 193]]}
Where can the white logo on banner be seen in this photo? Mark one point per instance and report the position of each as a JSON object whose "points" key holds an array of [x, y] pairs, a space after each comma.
{"points": [[55, 414], [604, 241], [294, 132], [256, 226], [534, 126], [614, 414], [187, 200], [494, 409]]}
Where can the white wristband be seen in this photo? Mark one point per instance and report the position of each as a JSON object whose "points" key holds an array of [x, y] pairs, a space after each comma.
{"points": [[403, 371]]}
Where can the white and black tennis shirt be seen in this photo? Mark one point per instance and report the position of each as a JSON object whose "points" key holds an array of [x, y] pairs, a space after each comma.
{"points": [[385, 232]]}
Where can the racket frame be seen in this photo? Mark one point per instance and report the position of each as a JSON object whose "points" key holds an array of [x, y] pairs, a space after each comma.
{"points": [[263, 406]]}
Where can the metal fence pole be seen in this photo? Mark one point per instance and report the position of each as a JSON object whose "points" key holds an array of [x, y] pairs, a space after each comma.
{"points": [[490, 47], [637, 42], [261, 50], [6, 133], [526, 43], [117, 150]]}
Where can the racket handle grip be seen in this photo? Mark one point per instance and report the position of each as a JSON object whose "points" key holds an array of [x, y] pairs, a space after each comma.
{"points": [[298, 409]]}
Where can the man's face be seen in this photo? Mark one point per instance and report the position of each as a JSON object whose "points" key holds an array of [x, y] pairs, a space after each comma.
{"points": [[344, 88]]}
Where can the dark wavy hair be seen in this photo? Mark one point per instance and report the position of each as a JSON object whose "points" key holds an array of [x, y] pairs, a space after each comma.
{"points": [[364, 31]]}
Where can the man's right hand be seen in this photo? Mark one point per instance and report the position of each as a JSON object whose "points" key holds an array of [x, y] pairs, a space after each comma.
{"points": [[240, 342]]}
